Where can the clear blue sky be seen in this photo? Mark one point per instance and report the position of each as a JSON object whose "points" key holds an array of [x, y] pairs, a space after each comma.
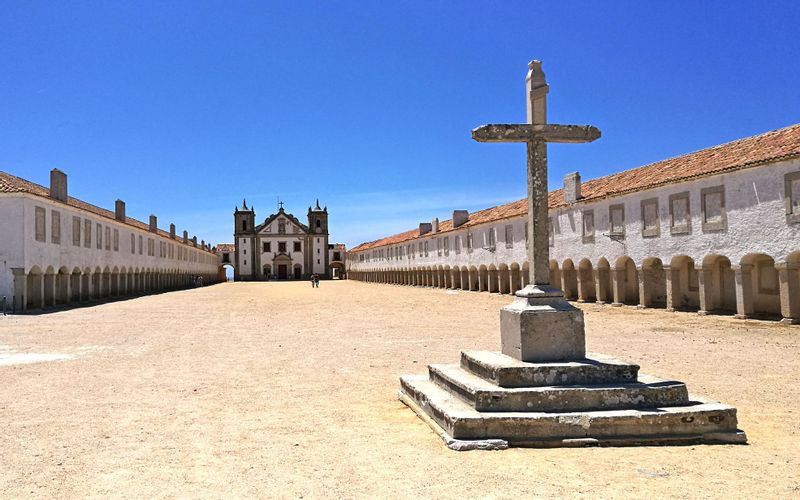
{"points": [[184, 108]]}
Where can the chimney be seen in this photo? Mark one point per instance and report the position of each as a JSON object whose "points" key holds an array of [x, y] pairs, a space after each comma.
{"points": [[58, 185], [153, 224], [424, 228], [572, 187], [203, 243], [119, 210], [460, 217], [172, 231], [194, 241], [435, 225], [186, 237]]}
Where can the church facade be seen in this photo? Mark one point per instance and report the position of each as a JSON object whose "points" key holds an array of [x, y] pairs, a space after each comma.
{"points": [[281, 247]]}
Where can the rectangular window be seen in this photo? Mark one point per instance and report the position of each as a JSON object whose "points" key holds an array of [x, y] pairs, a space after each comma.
{"points": [[140, 245], [297, 246], [116, 240], [588, 226], [151, 251], [526, 235], [712, 206], [426, 248], [616, 220], [457, 244], [490, 239], [792, 197], [281, 246], [680, 215], [651, 226], [133, 243], [99, 236], [108, 238], [87, 233], [439, 247], [55, 227], [509, 236], [447, 246], [469, 242], [76, 231], [40, 216]]}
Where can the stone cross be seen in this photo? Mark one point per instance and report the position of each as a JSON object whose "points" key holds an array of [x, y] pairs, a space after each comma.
{"points": [[536, 134]]}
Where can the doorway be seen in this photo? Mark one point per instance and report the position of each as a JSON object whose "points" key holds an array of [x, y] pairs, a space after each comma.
{"points": [[282, 271]]}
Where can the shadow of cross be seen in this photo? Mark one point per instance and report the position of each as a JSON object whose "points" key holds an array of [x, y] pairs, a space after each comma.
{"points": [[536, 134]]}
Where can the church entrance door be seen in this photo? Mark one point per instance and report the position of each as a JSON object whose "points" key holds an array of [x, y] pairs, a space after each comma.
{"points": [[298, 272], [282, 271]]}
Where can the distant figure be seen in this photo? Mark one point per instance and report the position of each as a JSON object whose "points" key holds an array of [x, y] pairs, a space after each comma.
{"points": [[316, 280]]}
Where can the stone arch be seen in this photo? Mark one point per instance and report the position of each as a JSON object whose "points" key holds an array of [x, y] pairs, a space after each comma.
{"points": [[763, 284], [625, 280], [63, 281], [717, 285], [569, 280], [652, 283], [75, 285], [587, 291], [34, 297], [604, 290], [682, 284], [49, 283], [516, 277], [555, 274]]}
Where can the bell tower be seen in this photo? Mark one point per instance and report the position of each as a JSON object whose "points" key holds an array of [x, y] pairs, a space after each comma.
{"points": [[244, 223], [318, 235]]}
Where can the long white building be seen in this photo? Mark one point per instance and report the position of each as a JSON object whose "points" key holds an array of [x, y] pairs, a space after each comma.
{"points": [[714, 231], [58, 250]]}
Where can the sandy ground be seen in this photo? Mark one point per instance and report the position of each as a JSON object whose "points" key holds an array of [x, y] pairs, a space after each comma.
{"points": [[278, 390]]}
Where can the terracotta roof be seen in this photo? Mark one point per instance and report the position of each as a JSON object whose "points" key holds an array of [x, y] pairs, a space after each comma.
{"points": [[769, 147], [225, 247], [13, 184]]}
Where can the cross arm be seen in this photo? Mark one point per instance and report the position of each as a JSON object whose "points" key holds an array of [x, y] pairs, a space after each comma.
{"points": [[526, 132]]}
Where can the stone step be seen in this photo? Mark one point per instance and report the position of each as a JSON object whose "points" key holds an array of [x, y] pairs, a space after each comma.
{"points": [[506, 371], [649, 392], [463, 427]]}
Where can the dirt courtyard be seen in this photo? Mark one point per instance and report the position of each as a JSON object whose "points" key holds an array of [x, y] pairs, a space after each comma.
{"points": [[280, 390]]}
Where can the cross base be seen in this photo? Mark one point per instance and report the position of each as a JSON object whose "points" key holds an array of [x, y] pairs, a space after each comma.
{"points": [[541, 326]]}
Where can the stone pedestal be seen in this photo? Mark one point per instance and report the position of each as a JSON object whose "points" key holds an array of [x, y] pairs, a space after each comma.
{"points": [[540, 326]]}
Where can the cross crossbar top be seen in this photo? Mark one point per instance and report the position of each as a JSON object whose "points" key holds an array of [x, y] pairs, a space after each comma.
{"points": [[526, 132]]}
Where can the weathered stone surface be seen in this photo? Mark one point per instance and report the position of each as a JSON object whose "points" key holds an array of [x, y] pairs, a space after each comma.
{"points": [[506, 371], [649, 392], [542, 329], [699, 422]]}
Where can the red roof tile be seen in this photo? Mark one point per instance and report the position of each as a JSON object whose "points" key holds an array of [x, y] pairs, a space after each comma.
{"points": [[771, 146]]}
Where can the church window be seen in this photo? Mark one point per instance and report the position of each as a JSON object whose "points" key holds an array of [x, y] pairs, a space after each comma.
{"points": [[651, 224], [244, 225], [509, 236], [116, 240], [381, 253], [457, 244], [712, 206], [267, 246], [281, 227], [76, 231], [588, 227], [55, 229], [297, 246], [469, 243], [108, 238], [792, 196], [317, 261], [282, 246], [319, 224], [616, 220], [87, 233], [680, 214], [39, 222]]}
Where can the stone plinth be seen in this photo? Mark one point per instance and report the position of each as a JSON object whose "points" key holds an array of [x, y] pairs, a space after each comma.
{"points": [[540, 326]]}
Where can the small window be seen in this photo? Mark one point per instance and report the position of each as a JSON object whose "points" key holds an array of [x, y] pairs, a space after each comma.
{"points": [[712, 206], [244, 225], [116, 240], [319, 224], [469, 243], [616, 220], [426, 248], [140, 244], [99, 237], [108, 238], [439, 246], [87, 233], [457, 244], [588, 226], [297, 246], [76, 231], [282, 246], [490, 239], [133, 244], [509, 236], [447, 246], [680, 214], [40, 217], [651, 226], [267, 246], [792, 196], [55, 227]]}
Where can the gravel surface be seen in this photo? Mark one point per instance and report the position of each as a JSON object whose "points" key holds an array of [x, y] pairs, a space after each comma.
{"points": [[281, 390]]}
